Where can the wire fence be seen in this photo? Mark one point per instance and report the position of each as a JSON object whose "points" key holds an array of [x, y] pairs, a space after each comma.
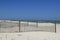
{"points": [[7, 26]]}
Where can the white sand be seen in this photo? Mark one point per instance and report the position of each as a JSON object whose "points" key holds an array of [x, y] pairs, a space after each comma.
{"points": [[58, 28], [30, 36]]}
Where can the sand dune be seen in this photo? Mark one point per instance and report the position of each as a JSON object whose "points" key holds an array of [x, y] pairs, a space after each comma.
{"points": [[9, 30], [13, 26]]}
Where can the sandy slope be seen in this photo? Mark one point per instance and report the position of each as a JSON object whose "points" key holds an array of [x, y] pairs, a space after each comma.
{"points": [[30, 36], [39, 35]]}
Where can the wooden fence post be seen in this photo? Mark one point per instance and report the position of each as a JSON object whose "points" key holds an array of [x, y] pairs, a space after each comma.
{"points": [[37, 24], [55, 27], [19, 25]]}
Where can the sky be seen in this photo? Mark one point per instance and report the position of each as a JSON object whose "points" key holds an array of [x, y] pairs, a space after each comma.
{"points": [[30, 9]]}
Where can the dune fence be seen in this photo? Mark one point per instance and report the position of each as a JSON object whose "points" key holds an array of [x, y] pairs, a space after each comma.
{"points": [[9, 26]]}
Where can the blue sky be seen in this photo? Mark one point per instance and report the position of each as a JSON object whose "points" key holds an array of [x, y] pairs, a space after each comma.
{"points": [[30, 9]]}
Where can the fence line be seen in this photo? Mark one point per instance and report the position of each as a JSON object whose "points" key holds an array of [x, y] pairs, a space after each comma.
{"points": [[25, 26]]}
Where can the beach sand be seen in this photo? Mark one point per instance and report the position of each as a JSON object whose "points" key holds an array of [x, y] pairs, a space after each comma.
{"points": [[44, 31]]}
